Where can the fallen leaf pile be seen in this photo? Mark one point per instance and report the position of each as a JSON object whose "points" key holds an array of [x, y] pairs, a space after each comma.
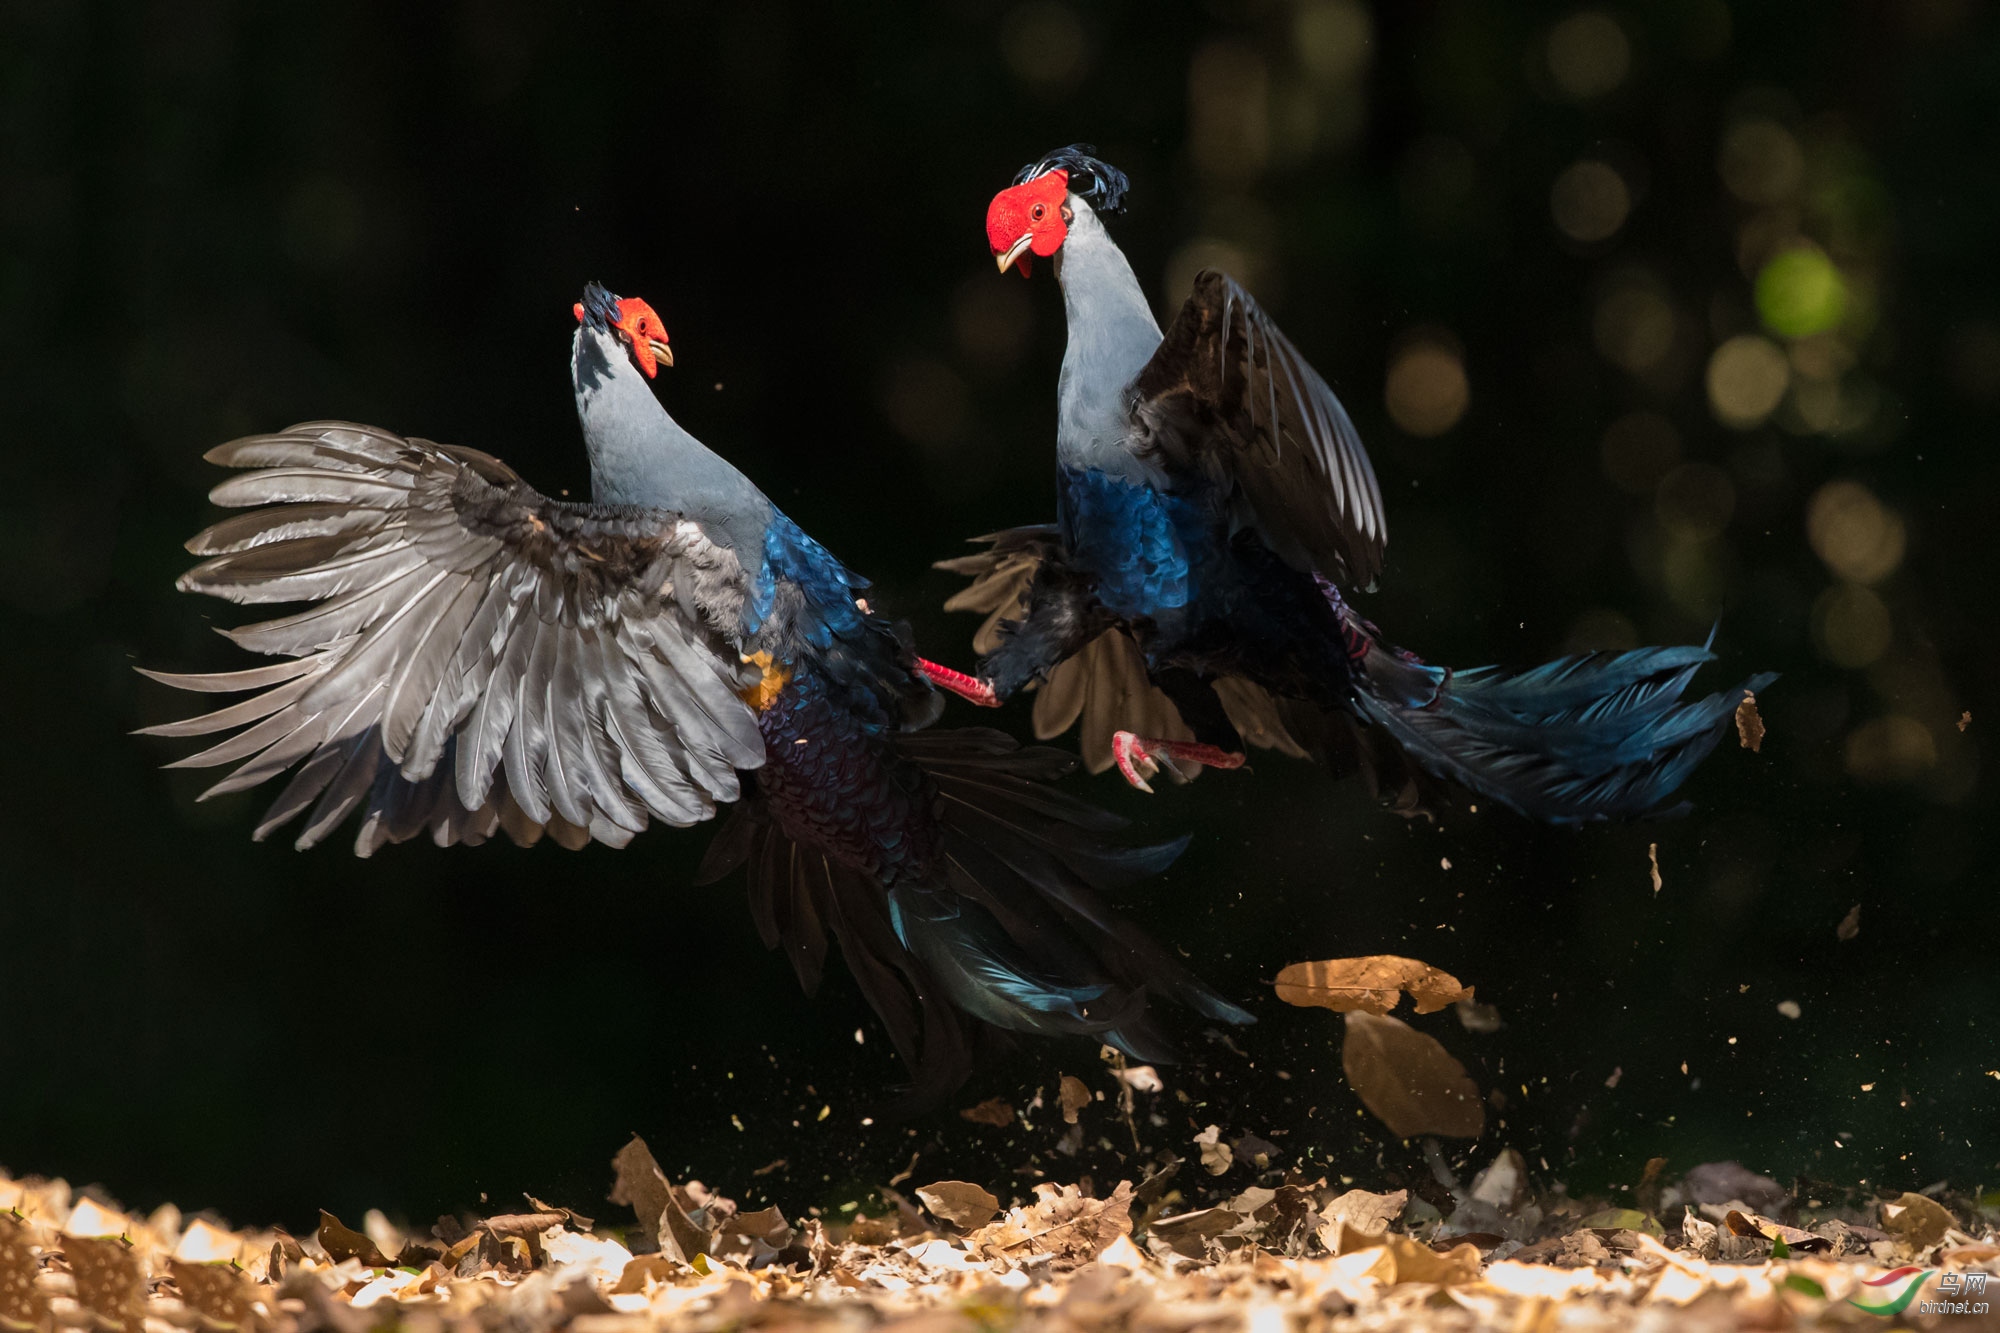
{"points": [[1293, 1254]]}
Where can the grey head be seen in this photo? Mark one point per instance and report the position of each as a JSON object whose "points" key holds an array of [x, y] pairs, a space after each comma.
{"points": [[1053, 210], [638, 454]]}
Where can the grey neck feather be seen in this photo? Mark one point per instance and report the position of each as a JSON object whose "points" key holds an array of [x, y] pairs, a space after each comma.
{"points": [[1112, 334], [640, 456]]}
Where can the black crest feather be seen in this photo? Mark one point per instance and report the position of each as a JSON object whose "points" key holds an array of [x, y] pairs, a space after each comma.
{"points": [[1097, 183], [600, 307]]}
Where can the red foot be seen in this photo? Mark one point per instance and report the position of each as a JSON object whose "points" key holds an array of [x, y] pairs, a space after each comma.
{"points": [[1139, 759], [969, 688]]}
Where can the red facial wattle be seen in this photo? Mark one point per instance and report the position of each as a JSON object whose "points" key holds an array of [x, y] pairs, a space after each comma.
{"points": [[643, 329], [1027, 219]]}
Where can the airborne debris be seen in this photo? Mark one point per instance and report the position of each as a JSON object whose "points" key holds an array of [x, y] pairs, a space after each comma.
{"points": [[1790, 1008], [1653, 859], [1749, 726], [1850, 925], [1964, 720]]}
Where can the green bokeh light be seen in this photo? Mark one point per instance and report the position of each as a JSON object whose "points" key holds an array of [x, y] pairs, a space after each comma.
{"points": [[1801, 293]]}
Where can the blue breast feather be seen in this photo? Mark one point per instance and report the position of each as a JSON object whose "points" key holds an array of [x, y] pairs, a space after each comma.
{"points": [[1145, 546], [792, 556]]}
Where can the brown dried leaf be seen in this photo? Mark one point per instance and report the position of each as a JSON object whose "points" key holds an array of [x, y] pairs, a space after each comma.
{"points": [[1408, 1081], [520, 1226], [108, 1281], [1917, 1221], [663, 1223], [1755, 1224], [1406, 1260], [960, 1202], [1061, 1222], [993, 1111], [1749, 726], [22, 1304], [1359, 1219], [1074, 1096], [343, 1242], [1653, 862], [1216, 1158], [1850, 925], [1373, 984]]}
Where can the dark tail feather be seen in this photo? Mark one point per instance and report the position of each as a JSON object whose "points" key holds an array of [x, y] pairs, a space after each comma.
{"points": [[1593, 736], [1011, 933]]}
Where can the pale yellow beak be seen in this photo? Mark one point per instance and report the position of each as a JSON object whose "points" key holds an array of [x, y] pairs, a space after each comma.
{"points": [[1014, 252], [661, 352]]}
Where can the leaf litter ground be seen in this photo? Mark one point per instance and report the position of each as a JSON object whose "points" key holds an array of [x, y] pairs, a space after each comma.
{"points": [[1284, 1255]]}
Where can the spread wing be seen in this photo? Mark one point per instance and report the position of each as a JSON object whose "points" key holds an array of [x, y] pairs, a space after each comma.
{"points": [[476, 655], [1228, 397]]}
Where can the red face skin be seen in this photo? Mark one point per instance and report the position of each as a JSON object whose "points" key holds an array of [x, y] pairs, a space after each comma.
{"points": [[642, 328], [1033, 209]]}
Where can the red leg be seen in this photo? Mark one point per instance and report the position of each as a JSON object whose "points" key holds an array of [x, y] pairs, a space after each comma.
{"points": [[969, 688], [1138, 758]]}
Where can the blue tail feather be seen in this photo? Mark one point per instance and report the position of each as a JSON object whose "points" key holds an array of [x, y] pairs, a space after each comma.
{"points": [[1592, 736]]}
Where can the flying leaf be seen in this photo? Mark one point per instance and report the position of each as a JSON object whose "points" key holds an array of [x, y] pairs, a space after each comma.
{"points": [[993, 1111], [1850, 925], [1749, 726], [960, 1202], [1408, 1081], [1373, 984], [1216, 1157], [1075, 1096]]}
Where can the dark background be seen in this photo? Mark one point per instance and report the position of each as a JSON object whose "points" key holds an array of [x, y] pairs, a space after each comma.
{"points": [[220, 218]]}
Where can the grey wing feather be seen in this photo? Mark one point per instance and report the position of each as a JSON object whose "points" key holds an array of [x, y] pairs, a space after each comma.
{"points": [[477, 658], [1229, 398]]}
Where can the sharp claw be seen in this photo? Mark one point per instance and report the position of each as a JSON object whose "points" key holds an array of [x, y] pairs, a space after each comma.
{"points": [[1127, 748]]}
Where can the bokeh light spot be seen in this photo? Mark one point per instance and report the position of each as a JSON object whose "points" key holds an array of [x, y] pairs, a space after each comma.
{"points": [[1696, 500], [1850, 625], [1601, 630], [1589, 54], [1045, 46], [1858, 537], [1333, 39], [1746, 380], [1638, 449], [1890, 749], [1589, 201], [1229, 125], [1427, 390], [1761, 162], [1800, 293], [1634, 324], [926, 402], [991, 321]]}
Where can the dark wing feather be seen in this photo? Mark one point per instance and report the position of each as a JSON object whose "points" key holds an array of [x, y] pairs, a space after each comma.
{"points": [[1229, 398], [478, 657]]}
